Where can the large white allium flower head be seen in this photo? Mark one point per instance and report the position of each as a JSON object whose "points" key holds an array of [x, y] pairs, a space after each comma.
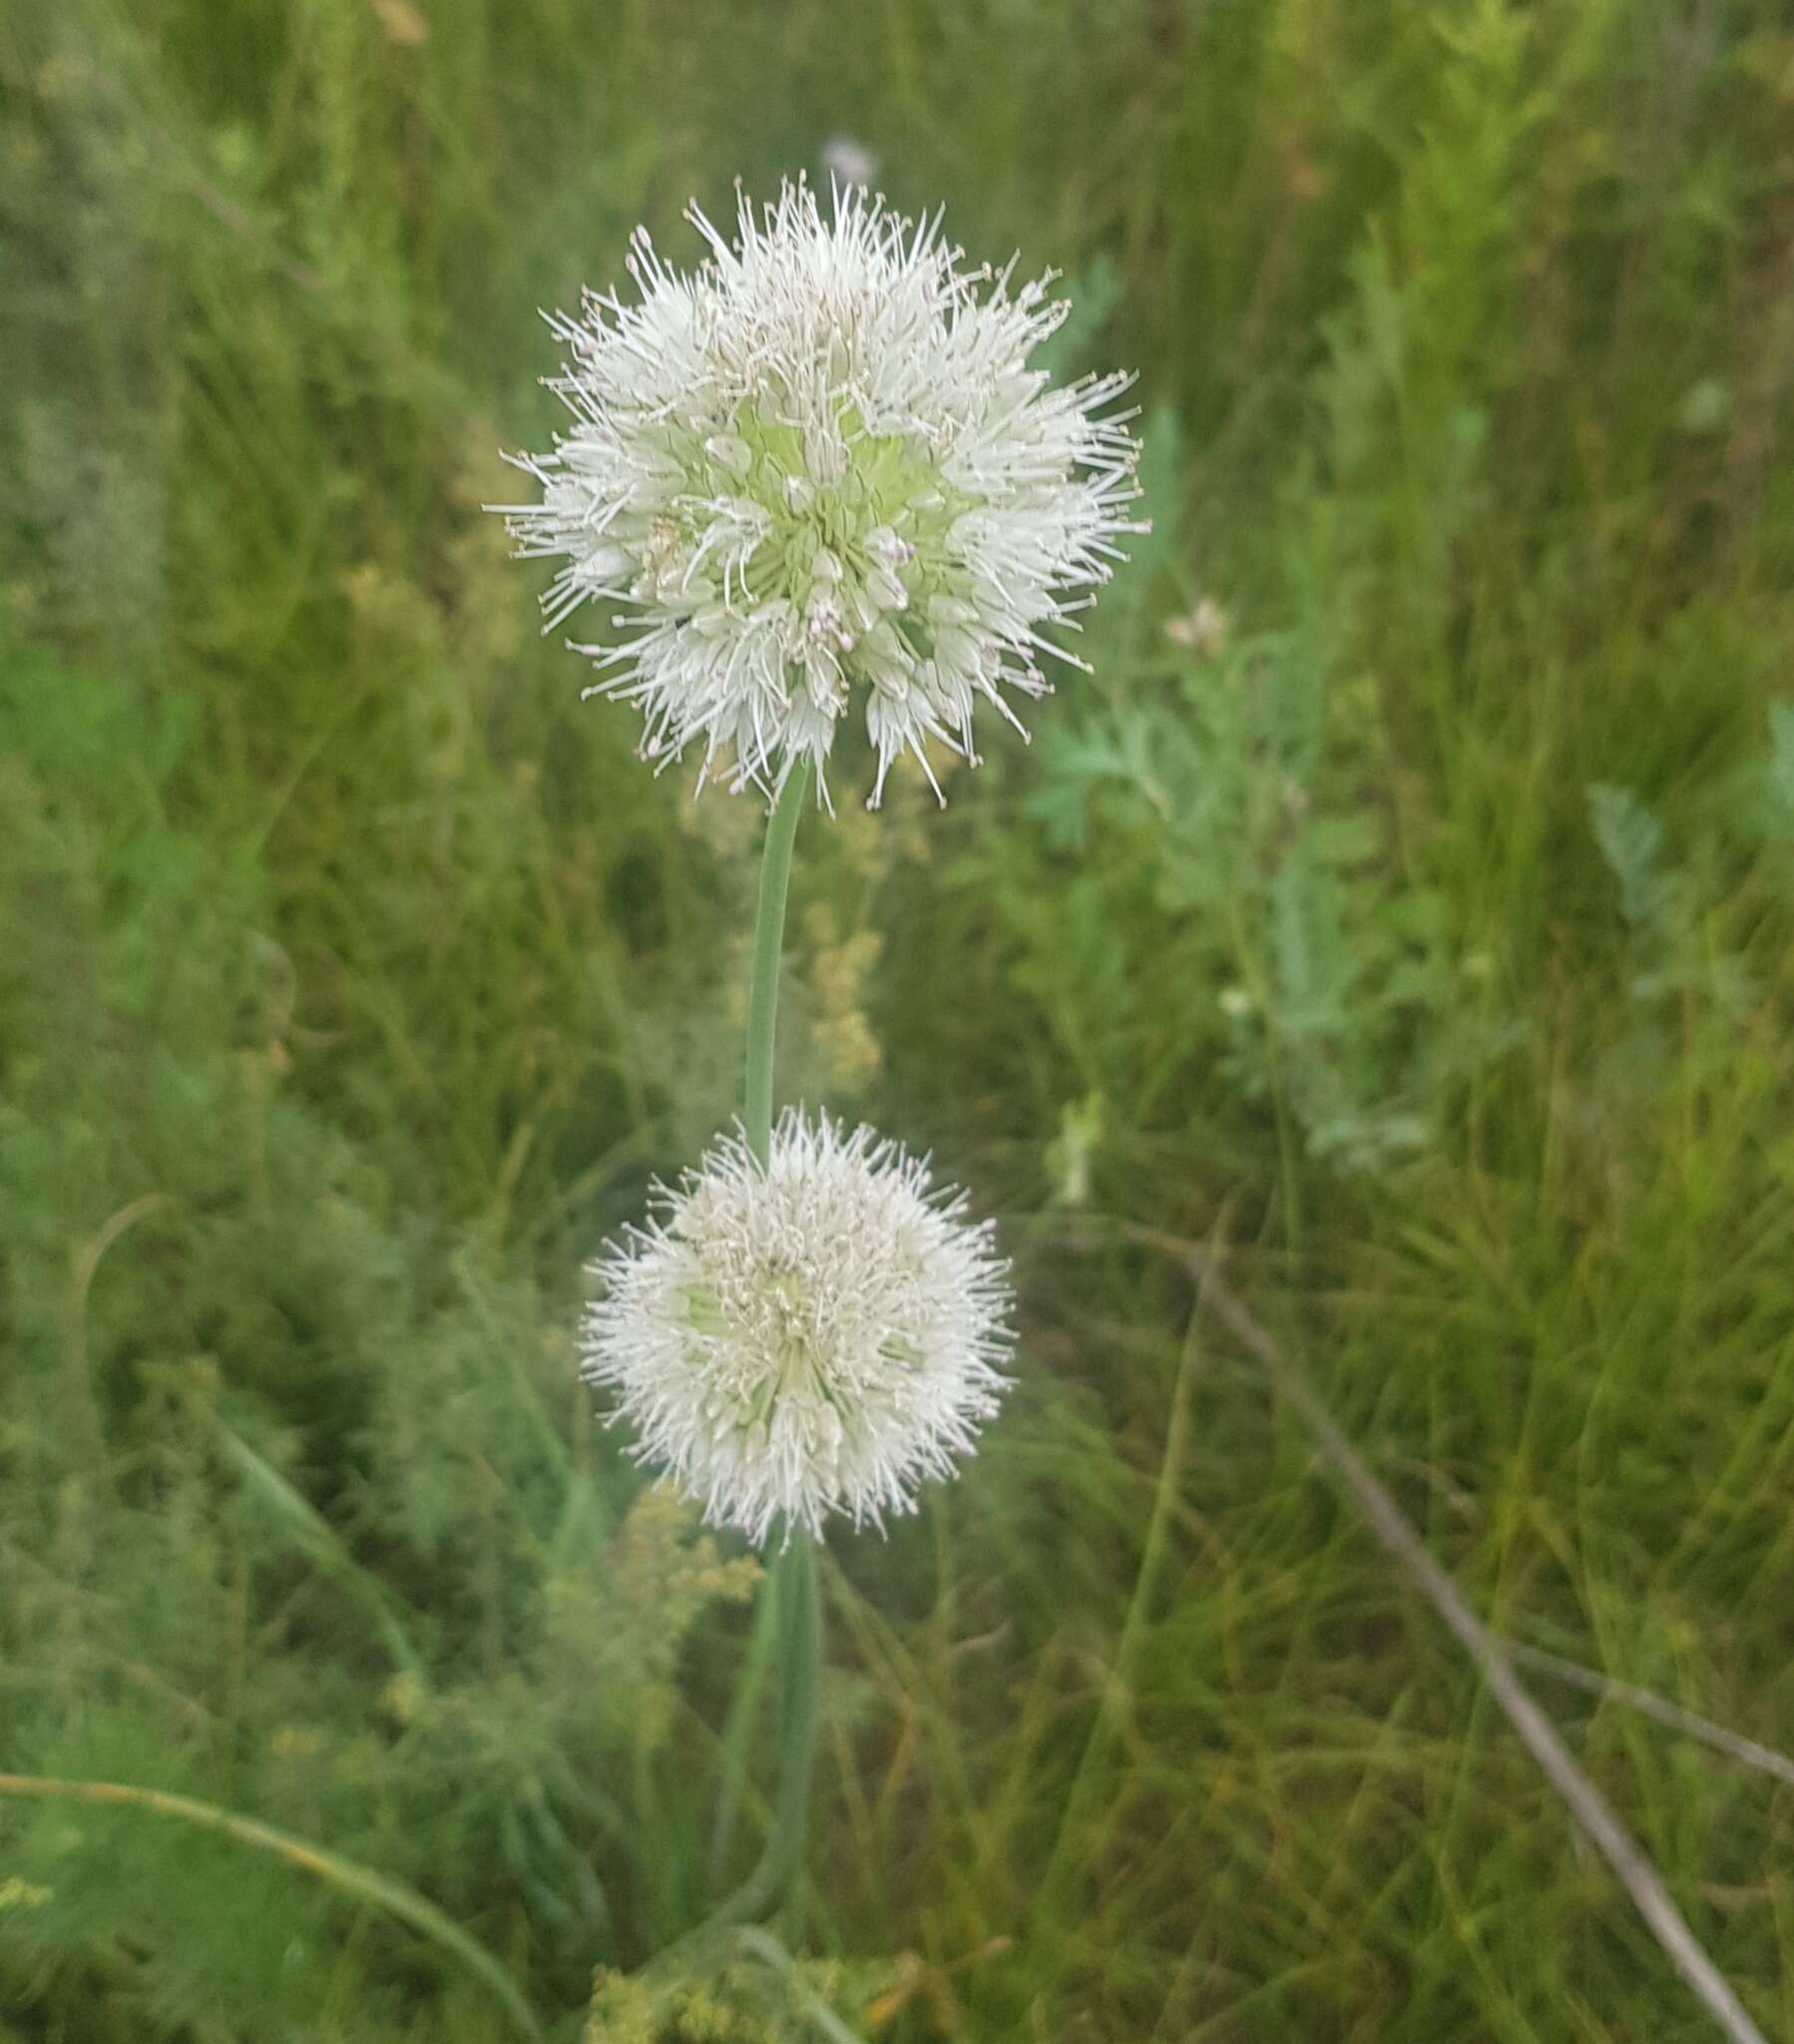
{"points": [[822, 479], [812, 1339]]}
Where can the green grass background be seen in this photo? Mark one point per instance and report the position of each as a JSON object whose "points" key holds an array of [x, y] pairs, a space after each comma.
{"points": [[1424, 929]]}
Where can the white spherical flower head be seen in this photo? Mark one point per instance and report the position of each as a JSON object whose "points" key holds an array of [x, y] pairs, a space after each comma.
{"points": [[821, 476], [814, 1338]]}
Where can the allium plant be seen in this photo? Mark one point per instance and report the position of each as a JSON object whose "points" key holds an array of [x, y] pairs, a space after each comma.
{"points": [[822, 480], [812, 1336], [818, 478]]}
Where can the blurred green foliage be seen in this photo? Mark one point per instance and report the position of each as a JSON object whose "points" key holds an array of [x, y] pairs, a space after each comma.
{"points": [[1411, 882]]}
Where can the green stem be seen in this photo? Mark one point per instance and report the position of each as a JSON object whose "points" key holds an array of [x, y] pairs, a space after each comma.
{"points": [[795, 1588], [797, 1594], [768, 947], [800, 1683]]}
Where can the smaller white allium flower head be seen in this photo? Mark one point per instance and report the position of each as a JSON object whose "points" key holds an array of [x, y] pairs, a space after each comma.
{"points": [[821, 475], [814, 1338]]}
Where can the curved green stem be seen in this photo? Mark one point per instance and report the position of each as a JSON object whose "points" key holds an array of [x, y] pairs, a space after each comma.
{"points": [[362, 1884], [768, 947]]}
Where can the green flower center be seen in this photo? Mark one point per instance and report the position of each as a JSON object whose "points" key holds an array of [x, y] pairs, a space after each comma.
{"points": [[883, 513]]}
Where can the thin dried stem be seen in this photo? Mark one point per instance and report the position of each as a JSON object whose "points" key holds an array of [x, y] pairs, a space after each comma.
{"points": [[1764, 1759]]}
